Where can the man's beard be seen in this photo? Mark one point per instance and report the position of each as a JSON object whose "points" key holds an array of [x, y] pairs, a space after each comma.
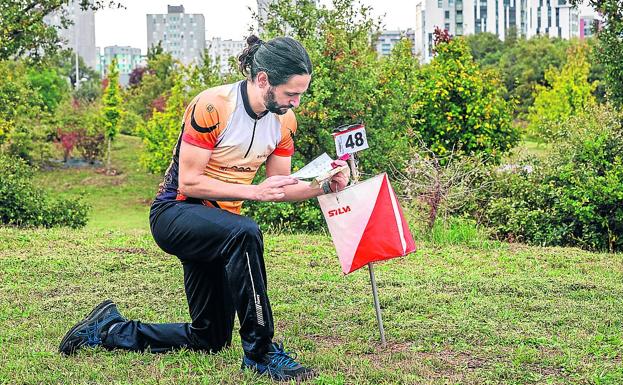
{"points": [[271, 103]]}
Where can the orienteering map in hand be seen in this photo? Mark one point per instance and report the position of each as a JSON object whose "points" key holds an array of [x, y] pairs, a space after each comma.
{"points": [[317, 167]]}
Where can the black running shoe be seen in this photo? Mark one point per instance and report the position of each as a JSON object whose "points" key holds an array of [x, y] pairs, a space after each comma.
{"points": [[88, 332], [279, 365]]}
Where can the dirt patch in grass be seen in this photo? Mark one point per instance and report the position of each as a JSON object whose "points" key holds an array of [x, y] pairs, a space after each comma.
{"points": [[145, 201], [128, 250], [99, 181], [326, 340]]}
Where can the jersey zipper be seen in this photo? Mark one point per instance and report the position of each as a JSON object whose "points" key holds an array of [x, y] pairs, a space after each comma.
{"points": [[252, 137]]}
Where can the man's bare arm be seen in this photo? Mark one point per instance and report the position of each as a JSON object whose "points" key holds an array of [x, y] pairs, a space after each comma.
{"points": [[194, 183]]}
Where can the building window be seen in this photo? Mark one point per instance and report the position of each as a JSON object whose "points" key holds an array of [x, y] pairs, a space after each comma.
{"points": [[447, 14], [439, 3]]}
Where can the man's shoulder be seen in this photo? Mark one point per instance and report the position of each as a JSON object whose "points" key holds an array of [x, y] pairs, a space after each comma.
{"points": [[287, 119], [222, 98]]}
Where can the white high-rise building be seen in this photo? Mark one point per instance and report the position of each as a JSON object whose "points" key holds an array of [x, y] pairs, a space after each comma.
{"points": [[388, 39], [554, 18], [80, 36], [221, 50], [181, 34]]}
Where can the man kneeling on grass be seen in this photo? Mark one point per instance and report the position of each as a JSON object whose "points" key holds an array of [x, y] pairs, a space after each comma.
{"points": [[228, 132]]}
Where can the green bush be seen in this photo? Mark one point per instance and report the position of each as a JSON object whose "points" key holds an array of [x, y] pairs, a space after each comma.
{"points": [[302, 216], [50, 85], [569, 93], [21, 111], [574, 197], [23, 204], [130, 123], [459, 106]]}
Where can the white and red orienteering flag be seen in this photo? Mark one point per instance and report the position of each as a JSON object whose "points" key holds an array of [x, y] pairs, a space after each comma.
{"points": [[366, 223]]}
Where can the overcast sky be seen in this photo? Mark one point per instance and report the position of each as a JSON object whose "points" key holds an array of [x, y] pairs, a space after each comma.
{"points": [[228, 19]]}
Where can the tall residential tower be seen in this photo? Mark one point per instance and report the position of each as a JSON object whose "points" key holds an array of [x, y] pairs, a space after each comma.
{"points": [[80, 36], [554, 18], [181, 34]]}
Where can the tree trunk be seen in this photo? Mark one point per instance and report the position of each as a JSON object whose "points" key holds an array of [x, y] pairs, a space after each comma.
{"points": [[108, 157]]}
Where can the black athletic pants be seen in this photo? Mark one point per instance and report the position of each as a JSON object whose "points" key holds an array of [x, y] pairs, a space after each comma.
{"points": [[224, 273]]}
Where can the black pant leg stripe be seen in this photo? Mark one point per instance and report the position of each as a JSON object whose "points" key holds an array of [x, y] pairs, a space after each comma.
{"points": [[256, 298]]}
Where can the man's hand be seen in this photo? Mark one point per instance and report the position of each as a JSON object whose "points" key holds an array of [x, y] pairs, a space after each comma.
{"points": [[340, 180], [272, 189]]}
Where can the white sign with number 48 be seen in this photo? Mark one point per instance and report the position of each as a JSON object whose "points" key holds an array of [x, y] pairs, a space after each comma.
{"points": [[351, 140]]}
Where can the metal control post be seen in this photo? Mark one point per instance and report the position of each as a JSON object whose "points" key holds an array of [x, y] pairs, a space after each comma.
{"points": [[352, 162]]}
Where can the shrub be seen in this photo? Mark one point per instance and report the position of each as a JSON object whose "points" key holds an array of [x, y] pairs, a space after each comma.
{"points": [[161, 132], [574, 197], [460, 105], [302, 216], [50, 85], [569, 93], [83, 125], [442, 186], [23, 204], [92, 139], [130, 123]]}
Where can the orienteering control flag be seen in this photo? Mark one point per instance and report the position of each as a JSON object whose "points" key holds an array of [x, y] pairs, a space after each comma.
{"points": [[366, 223]]}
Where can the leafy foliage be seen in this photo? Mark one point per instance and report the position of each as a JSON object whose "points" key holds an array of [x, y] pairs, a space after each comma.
{"points": [[23, 114], [575, 196], [24, 31], [345, 68], [50, 85], [111, 107], [486, 48], [521, 63], [83, 123], [610, 45], [163, 129], [155, 82], [24, 204], [458, 105], [569, 93]]}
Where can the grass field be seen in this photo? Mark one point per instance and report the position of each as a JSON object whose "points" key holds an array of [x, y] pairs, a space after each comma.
{"points": [[465, 313]]}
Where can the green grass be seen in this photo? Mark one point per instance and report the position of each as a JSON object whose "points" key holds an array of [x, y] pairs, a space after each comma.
{"points": [[529, 148], [119, 202], [455, 312]]}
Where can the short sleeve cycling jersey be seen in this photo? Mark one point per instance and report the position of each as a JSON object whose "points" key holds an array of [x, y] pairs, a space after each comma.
{"points": [[221, 120]]}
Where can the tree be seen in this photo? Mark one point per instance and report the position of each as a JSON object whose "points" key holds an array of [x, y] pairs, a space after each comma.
{"points": [[459, 106], [345, 68], [162, 131], [112, 108], [569, 93], [136, 76], [610, 45], [24, 31], [155, 83], [50, 85], [523, 65], [22, 110], [486, 48], [391, 128]]}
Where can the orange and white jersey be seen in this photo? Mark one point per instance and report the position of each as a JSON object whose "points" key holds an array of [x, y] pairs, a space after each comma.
{"points": [[221, 120]]}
